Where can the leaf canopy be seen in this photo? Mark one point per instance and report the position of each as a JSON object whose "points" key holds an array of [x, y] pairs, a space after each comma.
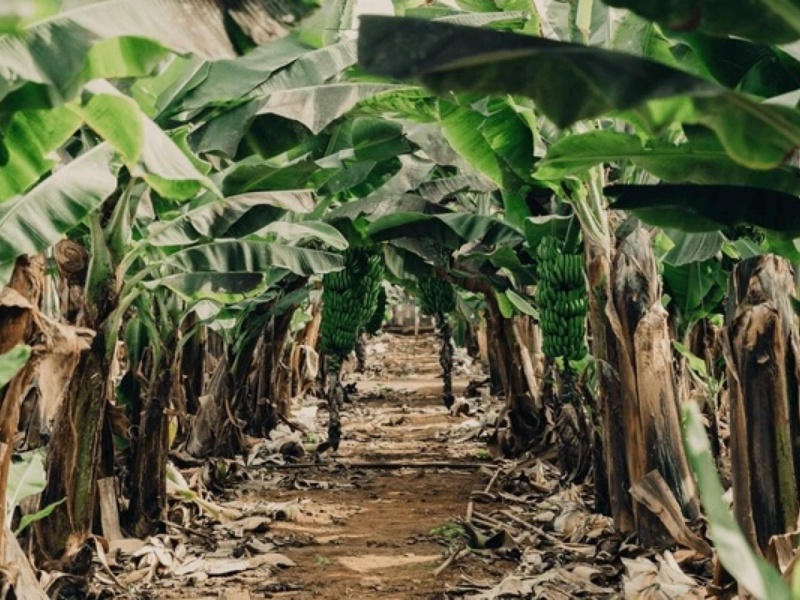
{"points": [[771, 21], [705, 208], [571, 82]]}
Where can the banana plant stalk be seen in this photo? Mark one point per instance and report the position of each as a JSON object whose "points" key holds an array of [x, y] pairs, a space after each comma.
{"points": [[446, 357], [74, 451], [335, 394], [361, 353]]}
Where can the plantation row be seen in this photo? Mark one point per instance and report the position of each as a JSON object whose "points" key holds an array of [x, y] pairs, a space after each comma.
{"points": [[610, 194]]}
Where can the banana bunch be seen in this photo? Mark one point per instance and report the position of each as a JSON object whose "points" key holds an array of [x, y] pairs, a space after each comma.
{"points": [[436, 296], [376, 320], [349, 299], [562, 300]]}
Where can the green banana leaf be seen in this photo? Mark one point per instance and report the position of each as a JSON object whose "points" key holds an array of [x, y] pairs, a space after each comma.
{"points": [[704, 208], [377, 206], [695, 289], [148, 151], [297, 233], [30, 518], [49, 63], [757, 69], [405, 102], [318, 106], [757, 576], [26, 477], [377, 139], [452, 230], [437, 190], [413, 173], [497, 140], [403, 265], [226, 256], [221, 288], [33, 136], [508, 18], [215, 218], [276, 66], [327, 25], [692, 247], [638, 36], [770, 21], [570, 82], [15, 15], [29, 141], [230, 80], [537, 228], [156, 94], [701, 159], [32, 223], [114, 117], [291, 81], [256, 174]]}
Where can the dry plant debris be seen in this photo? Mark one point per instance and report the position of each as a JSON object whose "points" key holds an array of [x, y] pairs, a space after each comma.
{"points": [[386, 518]]}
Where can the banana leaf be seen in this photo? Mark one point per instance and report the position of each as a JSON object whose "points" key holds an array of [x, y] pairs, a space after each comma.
{"points": [[32, 223], [570, 82], [704, 208], [770, 21]]}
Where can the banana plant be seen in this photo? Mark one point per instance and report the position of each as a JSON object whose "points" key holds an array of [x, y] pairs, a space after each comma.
{"points": [[149, 157], [583, 194], [677, 121]]}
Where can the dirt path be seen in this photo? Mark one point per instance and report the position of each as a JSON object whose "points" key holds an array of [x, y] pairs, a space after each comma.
{"points": [[343, 528], [369, 533], [352, 530]]}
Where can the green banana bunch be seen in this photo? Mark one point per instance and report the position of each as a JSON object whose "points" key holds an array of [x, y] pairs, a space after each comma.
{"points": [[436, 296], [349, 299], [562, 300]]}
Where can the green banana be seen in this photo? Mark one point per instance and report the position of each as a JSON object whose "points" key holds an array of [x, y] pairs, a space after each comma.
{"points": [[561, 299], [349, 299]]}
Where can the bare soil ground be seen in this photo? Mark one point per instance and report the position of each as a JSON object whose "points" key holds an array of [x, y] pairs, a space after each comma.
{"points": [[410, 508], [378, 538], [377, 529]]}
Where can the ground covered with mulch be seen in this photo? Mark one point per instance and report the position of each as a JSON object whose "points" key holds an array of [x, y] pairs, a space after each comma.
{"points": [[412, 506]]}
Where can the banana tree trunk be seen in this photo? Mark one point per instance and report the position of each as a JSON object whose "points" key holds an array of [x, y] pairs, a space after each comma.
{"points": [[522, 404], [193, 356], [334, 393], [572, 429], [612, 483], [446, 358], [265, 400], [471, 341], [74, 451], [494, 359], [650, 402], [202, 434], [763, 358], [703, 343], [148, 490], [304, 359], [72, 461], [361, 352], [224, 416], [15, 328]]}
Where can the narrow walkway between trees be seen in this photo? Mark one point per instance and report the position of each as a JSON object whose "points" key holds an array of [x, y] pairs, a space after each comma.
{"points": [[384, 527], [387, 518], [376, 533]]}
